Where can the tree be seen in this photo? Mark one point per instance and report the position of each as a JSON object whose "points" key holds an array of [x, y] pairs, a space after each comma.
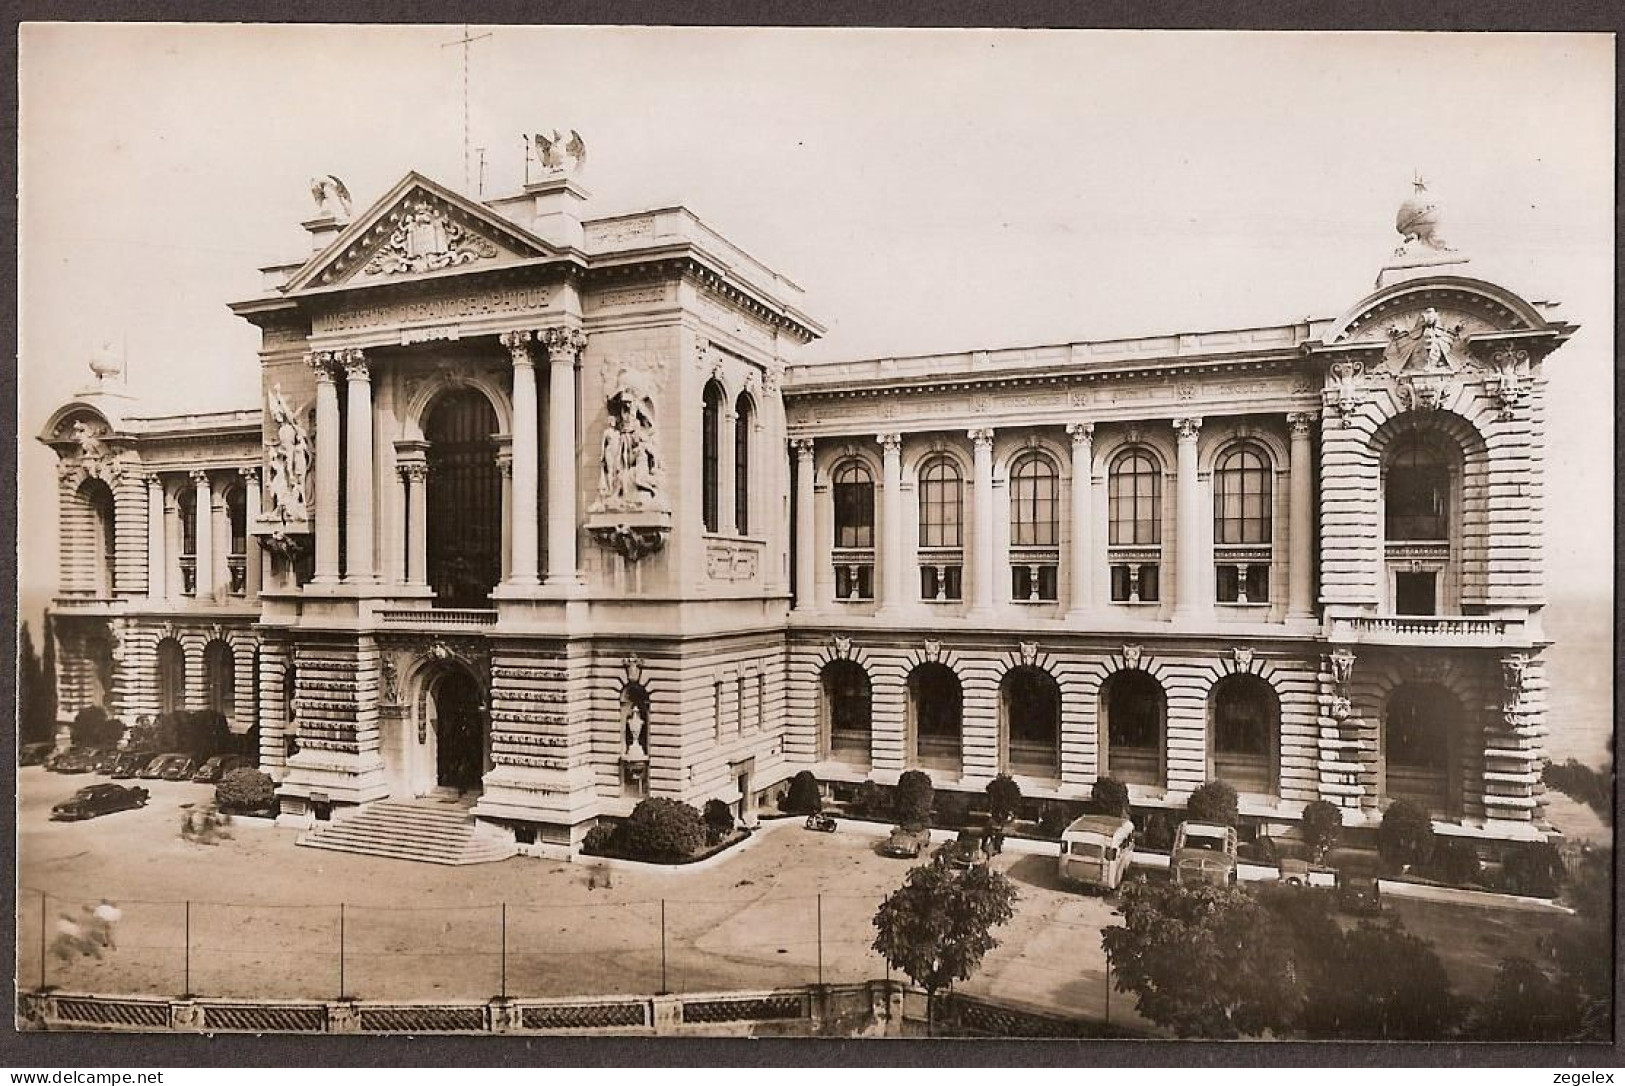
{"points": [[938, 926], [1202, 961], [1524, 1004], [803, 797], [1109, 796], [1584, 948], [719, 820], [911, 802], [92, 727], [663, 829], [36, 715], [1381, 983], [1003, 799], [1405, 837], [1214, 802], [1322, 825]]}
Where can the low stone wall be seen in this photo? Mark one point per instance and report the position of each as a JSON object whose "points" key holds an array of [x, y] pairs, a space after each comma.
{"points": [[878, 1008]]}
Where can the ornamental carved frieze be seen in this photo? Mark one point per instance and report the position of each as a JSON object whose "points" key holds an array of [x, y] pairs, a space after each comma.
{"points": [[426, 239], [725, 562], [89, 456], [1344, 395], [1508, 377]]}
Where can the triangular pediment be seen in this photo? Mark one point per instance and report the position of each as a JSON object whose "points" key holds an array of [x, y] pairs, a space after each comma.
{"points": [[418, 228]]}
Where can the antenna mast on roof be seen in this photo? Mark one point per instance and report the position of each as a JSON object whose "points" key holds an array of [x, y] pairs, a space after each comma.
{"points": [[465, 41]]}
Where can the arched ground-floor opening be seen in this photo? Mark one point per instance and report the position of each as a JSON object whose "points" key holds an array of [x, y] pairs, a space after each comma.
{"points": [[1030, 704], [847, 704], [1244, 728], [1421, 748], [1134, 728], [936, 709], [453, 734]]}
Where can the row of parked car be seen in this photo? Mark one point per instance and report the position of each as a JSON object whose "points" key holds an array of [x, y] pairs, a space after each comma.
{"points": [[129, 764]]}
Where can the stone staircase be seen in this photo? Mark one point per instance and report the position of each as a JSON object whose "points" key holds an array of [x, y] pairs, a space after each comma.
{"points": [[426, 830]]}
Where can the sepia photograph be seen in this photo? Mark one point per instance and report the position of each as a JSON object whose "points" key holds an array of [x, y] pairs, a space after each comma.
{"points": [[650, 532]]}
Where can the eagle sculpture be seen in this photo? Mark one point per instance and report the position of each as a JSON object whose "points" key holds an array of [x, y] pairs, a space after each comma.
{"points": [[552, 151], [331, 197]]}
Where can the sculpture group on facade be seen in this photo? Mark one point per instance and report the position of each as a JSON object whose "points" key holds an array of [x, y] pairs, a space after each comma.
{"points": [[290, 457], [629, 475]]}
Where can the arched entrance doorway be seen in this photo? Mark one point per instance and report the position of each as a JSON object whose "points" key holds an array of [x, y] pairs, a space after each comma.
{"points": [[456, 709], [463, 500]]}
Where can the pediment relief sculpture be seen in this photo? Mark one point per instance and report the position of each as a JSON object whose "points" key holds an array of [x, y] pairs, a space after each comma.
{"points": [[426, 239]]}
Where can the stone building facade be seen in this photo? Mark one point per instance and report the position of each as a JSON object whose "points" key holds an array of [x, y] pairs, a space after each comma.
{"points": [[542, 509]]}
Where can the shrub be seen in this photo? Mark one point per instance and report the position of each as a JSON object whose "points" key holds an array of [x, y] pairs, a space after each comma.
{"points": [[245, 790], [92, 727], [1052, 819], [719, 820], [952, 809], [1003, 798], [1583, 784], [872, 800], [203, 734], [1158, 834], [1455, 861], [600, 840], [663, 829], [911, 802], [1322, 823], [1214, 802], [1109, 796], [1405, 838], [1533, 870], [804, 797]]}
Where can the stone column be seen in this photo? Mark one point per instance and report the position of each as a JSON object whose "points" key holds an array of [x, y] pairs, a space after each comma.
{"points": [[398, 532], [891, 522], [564, 347], [157, 563], [1300, 523], [505, 469], [416, 475], [358, 558], [1079, 557], [252, 559], [807, 558], [203, 552], [1187, 513], [726, 520], [523, 565], [325, 480], [982, 520]]}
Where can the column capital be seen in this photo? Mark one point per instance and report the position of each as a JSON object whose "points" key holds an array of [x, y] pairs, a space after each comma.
{"points": [[1302, 422], [154, 478], [802, 447], [322, 362], [249, 475], [199, 477], [505, 463], [564, 344], [356, 366], [413, 471], [519, 343], [982, 438], [1083, 433], [889, 443], [1187, 428]]}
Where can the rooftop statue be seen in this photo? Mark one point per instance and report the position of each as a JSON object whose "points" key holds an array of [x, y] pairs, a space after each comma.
{"points": [[552, 152], [332, 198], [1418, 221]]}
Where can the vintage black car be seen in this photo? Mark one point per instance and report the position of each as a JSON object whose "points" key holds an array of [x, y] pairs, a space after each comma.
{"points": [[73, 760], [98, 799], [130, 763], [154, 769], [104, 761], [34, 753], [211, 771], [179, 767], [905, 844]]}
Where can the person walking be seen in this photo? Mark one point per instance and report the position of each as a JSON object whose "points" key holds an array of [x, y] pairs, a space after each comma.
{"points": [[108, 915]]}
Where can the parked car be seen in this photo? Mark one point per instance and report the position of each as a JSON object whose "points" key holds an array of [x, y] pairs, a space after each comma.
{"points": [[1358, 890], [966, 851], [905, 844], [1096, 851], [34, 753], [103, 761], [155, 768], [131, 763], [1293, 871], [73, 760], [180, 767], [98, 799], [217, 767], [1204, 853]]}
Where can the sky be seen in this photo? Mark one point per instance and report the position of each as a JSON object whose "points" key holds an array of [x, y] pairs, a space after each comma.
{"points": [[932, 190]]}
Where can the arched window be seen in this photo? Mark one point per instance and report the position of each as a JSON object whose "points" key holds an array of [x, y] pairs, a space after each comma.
{"points": [[711, 457], [1134, 523], [1242, 527], [171, 676], [1031, 701], [96, 504], [744, 423], [847, 709], [1416, 494], [186, 509], [1134, 714], [237, 555], [462, 499], [1419, 745], [1246, 723], [1034, 527], [941, 534], [220, 679], [936, 707], [853, 492]]}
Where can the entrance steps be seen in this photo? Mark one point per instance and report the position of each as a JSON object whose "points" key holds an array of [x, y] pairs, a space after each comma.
{"points": [[426, 830]]}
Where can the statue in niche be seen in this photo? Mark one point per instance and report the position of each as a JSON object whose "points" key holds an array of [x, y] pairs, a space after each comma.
{"points": [[290, 460], [629, 473], [635, 722]]}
